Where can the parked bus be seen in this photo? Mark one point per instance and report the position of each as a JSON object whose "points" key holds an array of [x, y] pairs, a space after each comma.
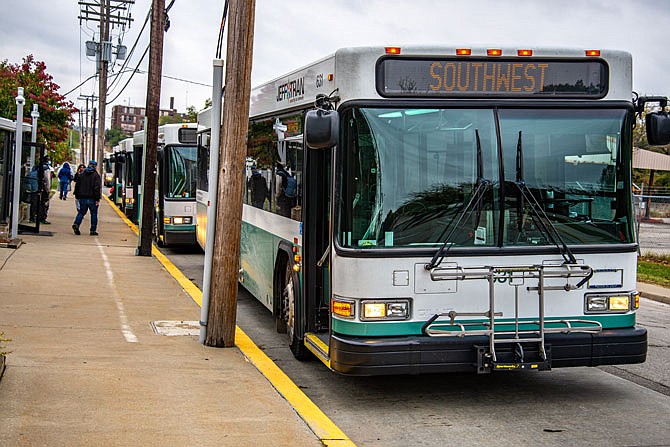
{"points": [[108, 167], [454, 209], [118, 161], [175, 181]]}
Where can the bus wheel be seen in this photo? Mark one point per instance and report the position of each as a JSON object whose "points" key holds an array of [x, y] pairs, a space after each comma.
{"points": [[296, 343], [157, 238]]}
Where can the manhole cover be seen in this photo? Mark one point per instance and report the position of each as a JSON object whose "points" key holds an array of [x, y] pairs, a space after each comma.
{"points": [[171, 328]]}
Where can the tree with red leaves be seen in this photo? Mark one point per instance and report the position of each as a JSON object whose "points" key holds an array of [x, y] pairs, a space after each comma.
{"points": [[55, 111]]}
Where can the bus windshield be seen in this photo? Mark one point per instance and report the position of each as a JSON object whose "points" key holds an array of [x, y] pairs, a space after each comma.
{"points": [[181, 171], [408, 177]]}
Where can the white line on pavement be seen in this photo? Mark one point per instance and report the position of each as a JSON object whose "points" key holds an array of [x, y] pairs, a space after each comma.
{"points": [[125, 327]]}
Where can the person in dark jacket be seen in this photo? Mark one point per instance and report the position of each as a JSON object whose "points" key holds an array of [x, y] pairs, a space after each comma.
{"points": [[258, 187], [87, 191], [80, 171], [65, 176]]}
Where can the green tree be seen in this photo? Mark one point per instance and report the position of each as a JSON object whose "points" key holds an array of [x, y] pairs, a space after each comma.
{"points": [[39, 88], [114, 135], [167, 119]]}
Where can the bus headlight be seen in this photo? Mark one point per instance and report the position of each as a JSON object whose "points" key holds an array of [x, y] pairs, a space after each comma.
{"points": [[385, 310], [181, 220], [614, 303]]}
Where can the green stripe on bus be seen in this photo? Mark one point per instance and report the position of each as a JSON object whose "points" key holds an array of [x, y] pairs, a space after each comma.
{"points": [[401, 328], [169, 227]]}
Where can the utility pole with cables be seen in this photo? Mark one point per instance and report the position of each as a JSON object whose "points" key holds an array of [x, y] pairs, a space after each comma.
{"points": [[158, 27], [220, 330], [104, 56], [106, 13]]}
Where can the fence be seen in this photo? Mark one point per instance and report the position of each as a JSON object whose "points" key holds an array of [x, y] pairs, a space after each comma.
{"points": [[652, 218]]}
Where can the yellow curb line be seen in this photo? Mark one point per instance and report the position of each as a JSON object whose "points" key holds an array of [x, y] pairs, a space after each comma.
{"points": [[328, 433]]}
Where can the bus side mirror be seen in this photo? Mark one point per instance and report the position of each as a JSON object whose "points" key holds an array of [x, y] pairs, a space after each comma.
{"points": [[658, 128], [321, 128]]}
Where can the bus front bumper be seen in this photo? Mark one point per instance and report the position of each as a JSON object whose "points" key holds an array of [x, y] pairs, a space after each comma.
{"points": [[181, 236], [426, 355]]}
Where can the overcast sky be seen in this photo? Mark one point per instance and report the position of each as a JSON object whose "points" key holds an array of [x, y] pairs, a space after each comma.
{"points": [[293, 33]]}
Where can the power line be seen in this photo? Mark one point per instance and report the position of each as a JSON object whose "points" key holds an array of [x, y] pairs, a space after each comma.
{"points": [[132, 50], [82, 83], [130, 78]]}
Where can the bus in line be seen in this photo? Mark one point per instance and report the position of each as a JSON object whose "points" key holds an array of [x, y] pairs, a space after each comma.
{"points": [[174, 216], [119, 169], [455, 209]]}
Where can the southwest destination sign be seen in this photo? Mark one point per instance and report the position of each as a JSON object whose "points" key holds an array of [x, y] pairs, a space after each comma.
{"points": [[448, 77]]}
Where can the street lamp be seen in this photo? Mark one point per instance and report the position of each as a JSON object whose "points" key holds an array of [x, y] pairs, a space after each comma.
{"points": [[34, 114], [20, 101]]}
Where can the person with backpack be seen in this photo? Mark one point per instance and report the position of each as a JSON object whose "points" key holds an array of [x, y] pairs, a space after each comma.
{"points": [[286, 191]]}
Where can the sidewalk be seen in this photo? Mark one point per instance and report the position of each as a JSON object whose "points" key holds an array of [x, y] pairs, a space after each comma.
{"points": [[87, 368], [654, 292]]}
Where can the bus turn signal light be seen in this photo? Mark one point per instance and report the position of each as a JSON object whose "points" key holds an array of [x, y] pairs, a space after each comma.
{"points": [[343, 308]]}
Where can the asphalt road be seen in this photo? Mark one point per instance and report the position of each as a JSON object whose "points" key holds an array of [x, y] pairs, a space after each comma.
{"points": [[608, 406]]}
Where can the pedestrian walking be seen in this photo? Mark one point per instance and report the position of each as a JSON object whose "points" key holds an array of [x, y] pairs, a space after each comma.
{"points": [[87, 191], [65, 177], [80, 171]]}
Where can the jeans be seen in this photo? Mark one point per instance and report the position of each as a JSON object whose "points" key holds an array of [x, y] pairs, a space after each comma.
{"points": [[84, 206], [62, 188]]}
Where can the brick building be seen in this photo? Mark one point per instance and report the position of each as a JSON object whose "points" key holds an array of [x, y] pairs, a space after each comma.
{"points": [[131, 118]]}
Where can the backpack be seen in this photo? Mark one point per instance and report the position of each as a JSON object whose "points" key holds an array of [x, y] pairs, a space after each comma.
{"points": [[291, 188]]}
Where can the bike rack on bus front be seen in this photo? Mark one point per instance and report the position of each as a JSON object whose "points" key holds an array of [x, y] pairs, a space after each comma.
{"points": [[523, 331]]}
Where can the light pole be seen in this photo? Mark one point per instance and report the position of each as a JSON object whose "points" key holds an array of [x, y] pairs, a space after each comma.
{"points": [[34, 114], [20, 101]]}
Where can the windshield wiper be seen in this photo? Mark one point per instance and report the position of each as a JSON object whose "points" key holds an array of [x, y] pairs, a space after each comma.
{"points": [[538, 215], [475, 201]]}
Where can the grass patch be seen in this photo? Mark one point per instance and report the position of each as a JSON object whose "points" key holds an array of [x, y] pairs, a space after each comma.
{"points": [[654, 269]]}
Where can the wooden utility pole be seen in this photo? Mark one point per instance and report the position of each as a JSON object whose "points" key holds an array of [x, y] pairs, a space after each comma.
{"points": [[103, 56], [151, 130], [226, 252]]}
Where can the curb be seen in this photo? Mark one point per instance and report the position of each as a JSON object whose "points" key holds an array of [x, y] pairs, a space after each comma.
{"points": [[655, 297]]}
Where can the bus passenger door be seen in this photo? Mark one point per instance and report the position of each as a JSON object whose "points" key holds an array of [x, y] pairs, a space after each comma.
{"points": [[316, 227]]}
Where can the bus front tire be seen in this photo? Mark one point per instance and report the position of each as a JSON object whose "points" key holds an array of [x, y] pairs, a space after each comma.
{"points": [[289, 292]]}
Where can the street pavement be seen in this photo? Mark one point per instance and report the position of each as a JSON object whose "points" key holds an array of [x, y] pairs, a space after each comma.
{"points": [[87, 368]]}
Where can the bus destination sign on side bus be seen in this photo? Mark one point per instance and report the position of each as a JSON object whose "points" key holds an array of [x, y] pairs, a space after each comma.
{"points": [[449, 77]]}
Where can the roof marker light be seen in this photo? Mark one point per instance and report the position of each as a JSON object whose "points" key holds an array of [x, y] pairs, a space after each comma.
{"points": [[592, 52], [330, 76], [392, 50], [524, 52], [463, 52], [494, 52]]}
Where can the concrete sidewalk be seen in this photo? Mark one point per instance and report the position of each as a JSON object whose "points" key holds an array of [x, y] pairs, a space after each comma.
{"points": [[88, 369]]}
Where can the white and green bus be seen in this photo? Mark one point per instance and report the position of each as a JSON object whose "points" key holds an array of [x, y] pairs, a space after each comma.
{"points": [[174, 214], [454, 209]]}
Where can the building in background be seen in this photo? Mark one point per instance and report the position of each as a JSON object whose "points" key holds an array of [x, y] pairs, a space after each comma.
{"points": [[131, 118]]}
